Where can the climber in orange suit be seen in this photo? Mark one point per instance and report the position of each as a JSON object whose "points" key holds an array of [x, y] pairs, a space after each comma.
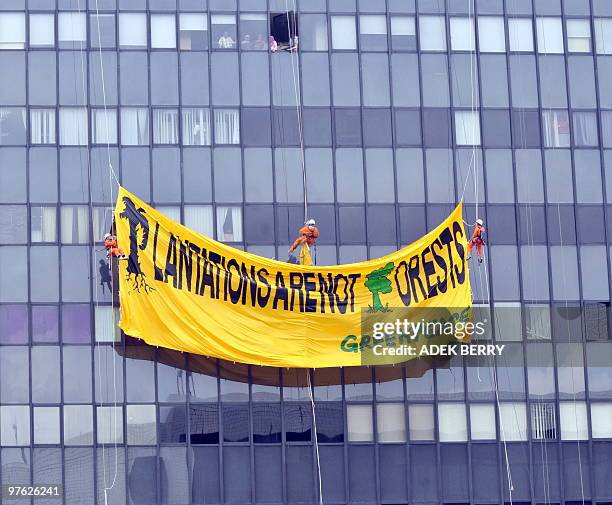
{"points": [[308, 234], [112, 248], [478, 239]]}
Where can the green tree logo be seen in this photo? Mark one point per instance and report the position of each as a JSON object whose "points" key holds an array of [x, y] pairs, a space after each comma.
{"points": [[377, 283]]}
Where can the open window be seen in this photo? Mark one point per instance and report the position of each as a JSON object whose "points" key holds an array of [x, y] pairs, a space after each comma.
{"points": [[283, 31]]}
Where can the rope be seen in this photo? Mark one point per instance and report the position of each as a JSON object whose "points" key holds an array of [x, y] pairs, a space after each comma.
{"points": [[298, 101], [111, 175], [316, 436]]}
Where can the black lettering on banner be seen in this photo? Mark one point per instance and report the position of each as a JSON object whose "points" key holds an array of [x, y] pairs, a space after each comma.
{"points": [[310, 286], [280, 293], [457, 231], [185, 265], [196, 250], [413, 274], [342, 304], [429, 269], [442, 283], [326, 288], [262, 275], [233, 293], [250, 282], [158, 273], [446, 238], [353, 278], [295, 283], [170, 270]]}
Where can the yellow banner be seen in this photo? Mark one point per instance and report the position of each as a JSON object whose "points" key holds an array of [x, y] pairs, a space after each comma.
{"points": [[181, 290]]}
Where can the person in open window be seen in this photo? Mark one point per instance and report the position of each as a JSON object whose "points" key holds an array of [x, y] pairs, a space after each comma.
{"points": [[246, 43], [273, 44], [260, 43], [226, 41]]}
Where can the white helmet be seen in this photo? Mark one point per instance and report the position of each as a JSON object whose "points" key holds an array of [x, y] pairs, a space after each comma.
{"points": [[106, 235], [479, 221], [310, 222]]}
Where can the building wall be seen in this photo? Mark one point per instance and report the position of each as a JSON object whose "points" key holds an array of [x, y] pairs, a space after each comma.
{"points": [[401, 110]]}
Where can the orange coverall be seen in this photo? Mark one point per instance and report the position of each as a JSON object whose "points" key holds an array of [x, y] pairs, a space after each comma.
{"points": [[307, 235], [112, 248], [477, 239]]}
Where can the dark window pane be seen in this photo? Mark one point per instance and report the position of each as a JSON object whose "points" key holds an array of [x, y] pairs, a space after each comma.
{"points": [[256, 127], [348, 127], [259, 224], [266, 423], [407, 127], [377, 127], [317, 127], [236, 423], [436, 128], [173, 425], [526, 128], [495, 128], [351, 221], [204, 424]]}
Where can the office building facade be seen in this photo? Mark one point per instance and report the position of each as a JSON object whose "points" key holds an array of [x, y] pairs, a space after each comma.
{"points": [[380, 115]]}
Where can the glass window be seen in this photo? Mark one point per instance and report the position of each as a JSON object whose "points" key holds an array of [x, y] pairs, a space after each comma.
{"points": [[494, 80], [104, 126], [601, 420], [391, 422], [573, 420], [200, 219], [42, 30], [45, 324], [14, 366], [42, 126], [46, 425], [520, 34], [45, 374], [12, 126], [313, 32], [373, 33], [227, 126], [229, 224], [359, 423], [462, 34], [403, 33], [603, 35], [141, 425], [452, 422], [578, 35], [74, 221], [223, 31], [467, 128], [134, 126], [344, 35], [553, 89], [421, 422], [432, 33], [73, 126], [491, 34], [102, 30], [585, 129], [106, 328], [165, 126], [564, 259], [14, 426], [13, 224], [193, 32], [558, 165], [12, 30], [556, 128], [72, 30], [482, 422], [110, 425], [253, 32], [550, 35], [196, 127], [513, 421], [78, 425], [132, 30], [163, 31]]}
